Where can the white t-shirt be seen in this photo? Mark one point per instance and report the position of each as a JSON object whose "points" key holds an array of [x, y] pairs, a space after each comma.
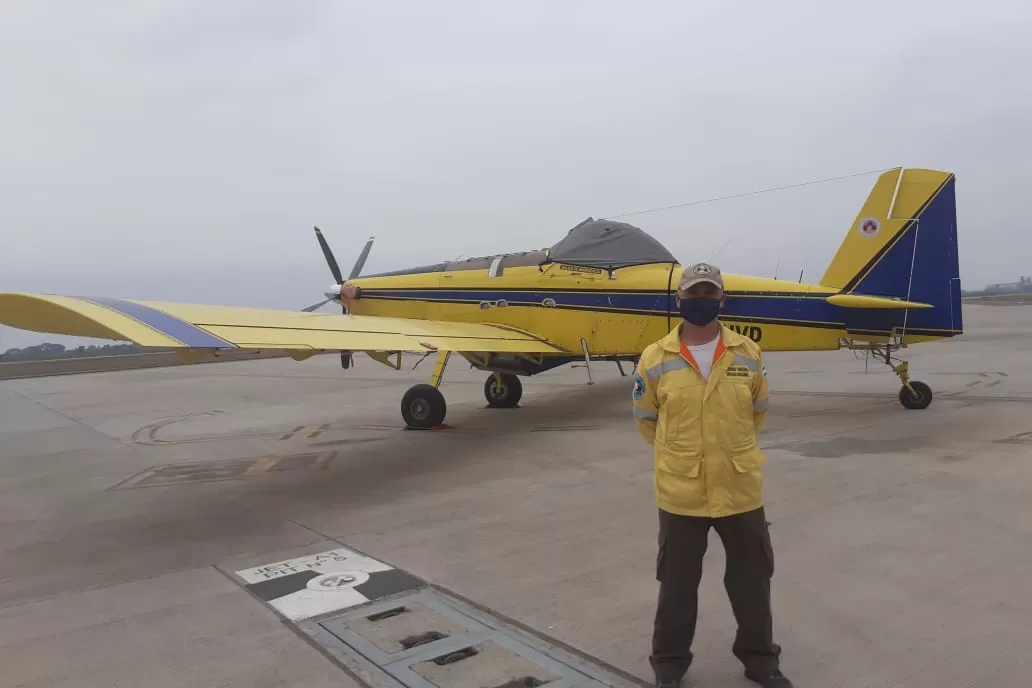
{"points": [[703, 354]]}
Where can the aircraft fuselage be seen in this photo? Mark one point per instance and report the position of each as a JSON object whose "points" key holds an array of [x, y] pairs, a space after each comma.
{"points": [[615, 314]]}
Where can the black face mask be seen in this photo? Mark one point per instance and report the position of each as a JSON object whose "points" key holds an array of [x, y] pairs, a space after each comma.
{"points": [[700, 311]]}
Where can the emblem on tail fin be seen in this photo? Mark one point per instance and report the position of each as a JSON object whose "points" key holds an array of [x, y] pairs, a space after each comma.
{"points": [[870, 226]]}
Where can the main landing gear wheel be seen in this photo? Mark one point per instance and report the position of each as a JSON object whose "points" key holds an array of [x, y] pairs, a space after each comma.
{"points": [[919, 398], [423, 407], [503, 391]]}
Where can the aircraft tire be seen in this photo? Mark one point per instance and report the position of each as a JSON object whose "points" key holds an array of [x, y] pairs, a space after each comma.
{"points": [[510, 394], [423, 406], [921, 401]]}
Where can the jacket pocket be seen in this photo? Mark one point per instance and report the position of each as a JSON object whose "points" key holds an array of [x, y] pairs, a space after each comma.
{"points": [[747, 458], [681, 465], [742, 443]]}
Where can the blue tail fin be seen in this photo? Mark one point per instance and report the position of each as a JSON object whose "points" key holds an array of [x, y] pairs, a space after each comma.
{"points": [[903, 245]]}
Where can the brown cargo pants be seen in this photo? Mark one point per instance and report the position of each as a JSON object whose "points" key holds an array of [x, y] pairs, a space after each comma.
{"points": [[750, 566]]}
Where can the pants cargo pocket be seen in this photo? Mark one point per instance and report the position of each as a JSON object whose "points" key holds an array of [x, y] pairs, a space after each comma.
{"points": [[768, 547], [757, 530]]}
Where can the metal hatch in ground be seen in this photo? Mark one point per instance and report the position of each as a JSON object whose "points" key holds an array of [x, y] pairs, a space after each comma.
{"points": [[431, 639]]}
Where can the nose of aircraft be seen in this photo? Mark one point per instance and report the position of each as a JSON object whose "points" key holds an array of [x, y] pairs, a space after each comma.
{"points": [[333, 292]]}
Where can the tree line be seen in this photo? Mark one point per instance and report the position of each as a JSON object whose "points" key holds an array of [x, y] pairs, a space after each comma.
{"points": [[48, 350]]}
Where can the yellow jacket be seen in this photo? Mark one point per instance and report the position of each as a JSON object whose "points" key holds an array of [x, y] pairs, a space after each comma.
{"points": [[704, 433]]}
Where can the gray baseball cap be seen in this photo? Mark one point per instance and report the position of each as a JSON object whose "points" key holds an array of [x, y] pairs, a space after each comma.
{"points": [[700, 272]]}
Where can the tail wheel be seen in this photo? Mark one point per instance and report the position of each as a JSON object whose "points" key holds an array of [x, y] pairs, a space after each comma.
{"points": [[503, 393], [423, 407], [920, 398]]}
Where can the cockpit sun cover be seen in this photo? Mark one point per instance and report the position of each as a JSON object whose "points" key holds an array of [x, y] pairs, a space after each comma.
{"points": [[608, 244]]}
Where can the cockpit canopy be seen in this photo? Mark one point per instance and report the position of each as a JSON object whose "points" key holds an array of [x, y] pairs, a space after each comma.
{"points": [[609, 245], [602, 244]]}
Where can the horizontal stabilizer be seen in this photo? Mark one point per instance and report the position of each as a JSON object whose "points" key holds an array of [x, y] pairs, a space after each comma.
{"points": [[885, 302]]}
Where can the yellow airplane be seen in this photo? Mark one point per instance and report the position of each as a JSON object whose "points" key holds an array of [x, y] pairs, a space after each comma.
{"points": [[604, 292]]}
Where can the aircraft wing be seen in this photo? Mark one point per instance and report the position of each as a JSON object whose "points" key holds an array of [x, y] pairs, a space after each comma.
{"points": [[193, 326]]}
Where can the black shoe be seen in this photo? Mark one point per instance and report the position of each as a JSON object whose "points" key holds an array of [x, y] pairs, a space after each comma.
{"points": [[771, 679]]}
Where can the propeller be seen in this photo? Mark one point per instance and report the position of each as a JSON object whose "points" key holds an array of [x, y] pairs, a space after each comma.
{"points": [[330, 260], [360, 263], [316, 306], [334, 293]]}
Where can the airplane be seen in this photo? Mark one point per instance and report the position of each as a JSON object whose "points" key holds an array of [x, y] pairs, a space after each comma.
{"points": [[602, 293]]}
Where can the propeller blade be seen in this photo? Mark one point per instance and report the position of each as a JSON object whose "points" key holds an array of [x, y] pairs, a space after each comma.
{"points": [[330, 260], [360, 263], [316, 306]]}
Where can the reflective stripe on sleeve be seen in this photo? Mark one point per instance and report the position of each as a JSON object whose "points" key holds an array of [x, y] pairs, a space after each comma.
{"points": [[750, 363], [760, 406], [667, 366]]}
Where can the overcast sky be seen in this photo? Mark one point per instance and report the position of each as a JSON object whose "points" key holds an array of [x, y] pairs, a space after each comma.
{"points": [[183, 149]]}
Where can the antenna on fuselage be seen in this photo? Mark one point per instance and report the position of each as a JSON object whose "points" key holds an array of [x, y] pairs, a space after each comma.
{"points": [[718, 251]]}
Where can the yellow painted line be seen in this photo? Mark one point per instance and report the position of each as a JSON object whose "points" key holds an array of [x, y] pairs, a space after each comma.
{"points": [[257, 467], [262, 465], [306, 432]]}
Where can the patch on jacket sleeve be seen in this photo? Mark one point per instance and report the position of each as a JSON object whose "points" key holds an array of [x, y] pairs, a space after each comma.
{"points": [[639, 387]]}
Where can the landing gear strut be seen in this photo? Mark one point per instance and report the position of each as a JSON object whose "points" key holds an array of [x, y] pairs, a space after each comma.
{"points": [[423, 406], [503, 390]]}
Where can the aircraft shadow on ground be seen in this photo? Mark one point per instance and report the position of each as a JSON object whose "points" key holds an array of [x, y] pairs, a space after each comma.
{"points": [[175, 522], [376, 465]]}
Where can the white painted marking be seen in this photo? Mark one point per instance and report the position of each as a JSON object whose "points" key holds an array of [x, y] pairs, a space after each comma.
{"points": [[334, 582], [340, 572]]}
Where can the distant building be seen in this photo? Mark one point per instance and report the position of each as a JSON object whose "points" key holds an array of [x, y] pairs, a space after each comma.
{"points": [[1023, 284]]}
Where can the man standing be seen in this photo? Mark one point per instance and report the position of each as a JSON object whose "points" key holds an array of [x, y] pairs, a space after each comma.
{"points": [[700, 398]]}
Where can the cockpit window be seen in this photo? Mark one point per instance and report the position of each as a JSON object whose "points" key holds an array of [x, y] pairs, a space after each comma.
{"points": [[610, 245]]}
